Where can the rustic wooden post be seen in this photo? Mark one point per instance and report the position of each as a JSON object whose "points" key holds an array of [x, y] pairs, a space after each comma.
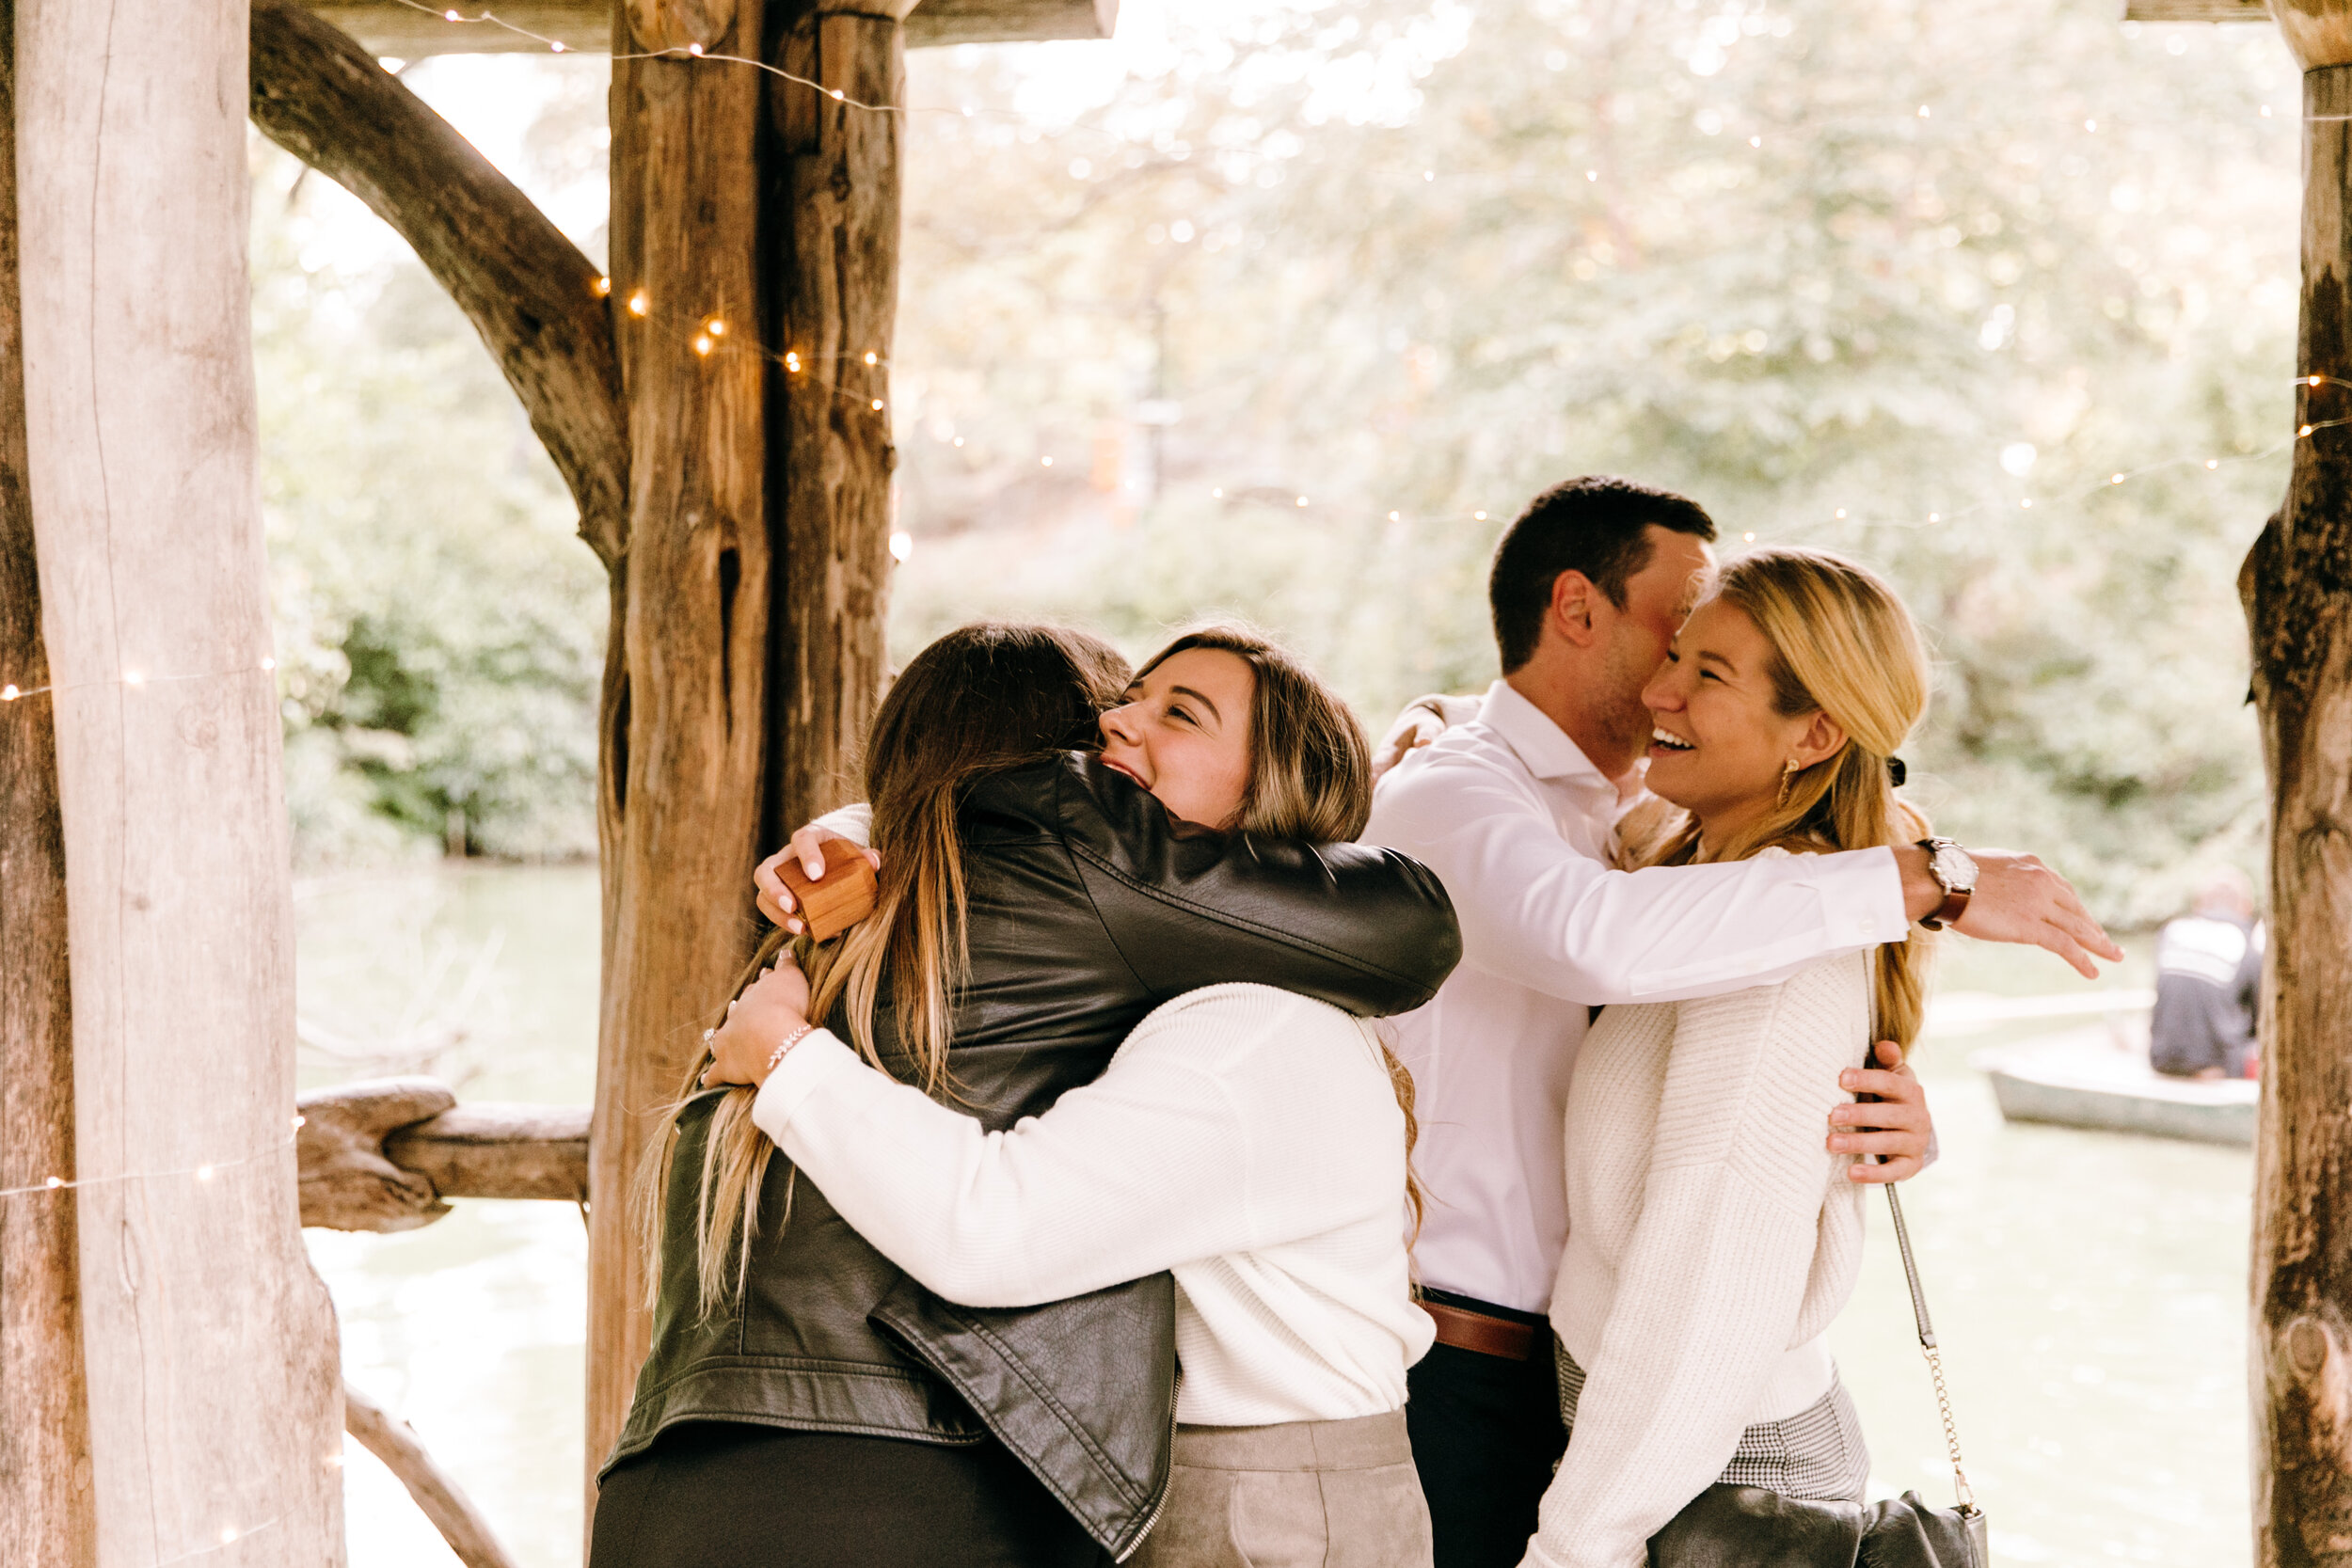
{"points": [[2296, 584], [755, 233], [44, 1440], [215, 1422]]}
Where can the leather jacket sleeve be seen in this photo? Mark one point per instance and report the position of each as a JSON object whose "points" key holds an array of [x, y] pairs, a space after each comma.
{"points": [[1368, 930]]}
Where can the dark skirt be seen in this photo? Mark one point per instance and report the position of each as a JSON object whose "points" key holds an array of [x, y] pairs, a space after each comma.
{"points": [[727, 1495]]}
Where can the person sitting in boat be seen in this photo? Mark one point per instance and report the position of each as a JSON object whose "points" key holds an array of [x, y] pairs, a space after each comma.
{"points": [[2209, 963]]}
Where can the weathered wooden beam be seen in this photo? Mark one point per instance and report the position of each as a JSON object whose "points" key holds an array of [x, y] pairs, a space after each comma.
{"points": [[393, 30], [2296, 584], [209, 1342], [396, 1442], [45, 1442], [2196, 10], [539, 305], [382, 1154]]}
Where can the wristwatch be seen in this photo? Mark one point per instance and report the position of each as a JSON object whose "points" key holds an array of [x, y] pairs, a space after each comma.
{"points": [[1955, 871]]}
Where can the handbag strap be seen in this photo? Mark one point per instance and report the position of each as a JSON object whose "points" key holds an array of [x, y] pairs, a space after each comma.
{"points": [[1928, 1349]]}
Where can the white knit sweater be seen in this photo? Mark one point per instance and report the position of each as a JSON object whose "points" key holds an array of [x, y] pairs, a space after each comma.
{"points": [[1711, 1240], [1246, 1138]]}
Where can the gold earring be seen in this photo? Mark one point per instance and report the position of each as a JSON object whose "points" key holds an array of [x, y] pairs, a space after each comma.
{"points": [[1788, 777]]}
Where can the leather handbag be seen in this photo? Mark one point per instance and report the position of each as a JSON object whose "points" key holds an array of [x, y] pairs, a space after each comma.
{"points": [[1748, 1527]]}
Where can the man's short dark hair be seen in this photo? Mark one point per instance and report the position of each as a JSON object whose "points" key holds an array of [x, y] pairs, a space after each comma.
{"points": [[1595, 525]]}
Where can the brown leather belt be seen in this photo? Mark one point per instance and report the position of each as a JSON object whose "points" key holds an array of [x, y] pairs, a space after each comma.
{"points": [[1466, 1330]]}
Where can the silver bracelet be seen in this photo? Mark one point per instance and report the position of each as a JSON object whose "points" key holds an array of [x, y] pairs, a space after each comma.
{"points": [[786, 1043]]}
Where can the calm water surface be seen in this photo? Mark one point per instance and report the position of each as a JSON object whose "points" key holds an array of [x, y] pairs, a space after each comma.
{"points": [[2088, 1288]]}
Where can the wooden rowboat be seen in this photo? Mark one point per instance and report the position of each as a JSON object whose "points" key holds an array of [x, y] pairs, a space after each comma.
{"points": [[2090, 1078]]}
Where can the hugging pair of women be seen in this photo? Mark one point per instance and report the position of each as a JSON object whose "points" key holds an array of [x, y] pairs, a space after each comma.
{"points": [[1090, 1237]]}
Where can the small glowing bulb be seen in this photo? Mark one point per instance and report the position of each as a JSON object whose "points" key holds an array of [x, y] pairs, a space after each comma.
{"points": [[1756, 141], [702, 345], [557, 46], [334, 1462], [1393, 518], [1935, 516], [2305, 430], [1923, 112], [639, 304], [958, 440], [1749, 536], [55, 1182], [877, 406], [604, 286], [2115, 479], [837, 96], [2265, 111], [9, 693], [229, 1532], [132, 677], [2313, 380], [695, 50], [2025, 503], [203, 1173], [2090, 125], [452, 16], [1302, 501], [1427, 175], [872, 358], [1592, 174], [269, 663], [300, 1121], [792, 362], [2212, 463], [1481, 516], [716, 327], [1216, 494], [1047, 461], [1841, 512], [902, 546]]}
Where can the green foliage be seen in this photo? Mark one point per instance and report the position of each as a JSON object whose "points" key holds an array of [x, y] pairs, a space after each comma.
{"points": [[440, 632], [1832, 267]]}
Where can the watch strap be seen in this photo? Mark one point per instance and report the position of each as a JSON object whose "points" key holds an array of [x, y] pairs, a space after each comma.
{"points": [[1955, 905]]}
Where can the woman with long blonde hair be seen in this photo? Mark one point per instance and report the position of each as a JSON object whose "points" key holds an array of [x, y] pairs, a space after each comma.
{"points": [[808, 1403], [1711, 1238]]}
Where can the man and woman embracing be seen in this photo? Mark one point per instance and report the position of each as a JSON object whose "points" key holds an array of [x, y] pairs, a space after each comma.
{"points": [[1182, 1088]]}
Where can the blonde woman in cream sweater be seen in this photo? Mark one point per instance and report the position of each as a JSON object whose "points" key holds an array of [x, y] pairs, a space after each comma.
{"points": [[1712, 1237]]}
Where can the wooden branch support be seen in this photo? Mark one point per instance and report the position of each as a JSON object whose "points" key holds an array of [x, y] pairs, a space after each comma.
{"points": [[541, 307], [453, 1512], [586, 26], [384, 1154]]}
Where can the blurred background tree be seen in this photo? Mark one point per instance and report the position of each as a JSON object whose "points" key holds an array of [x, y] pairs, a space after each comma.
{"points": [[1283, 307]]}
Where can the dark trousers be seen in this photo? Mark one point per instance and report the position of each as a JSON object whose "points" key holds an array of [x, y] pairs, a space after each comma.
{"points": [[726, 1495], [1487, 1435]]}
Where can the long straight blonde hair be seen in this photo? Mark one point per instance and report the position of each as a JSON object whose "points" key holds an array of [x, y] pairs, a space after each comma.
{"points": [[1845, 645], [983, 699]]}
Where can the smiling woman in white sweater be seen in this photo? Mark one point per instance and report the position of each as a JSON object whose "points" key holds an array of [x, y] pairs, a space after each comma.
{"points": [[1712, 1238]]}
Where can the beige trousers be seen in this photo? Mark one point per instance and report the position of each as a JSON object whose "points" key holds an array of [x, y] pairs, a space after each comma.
{"points": [[1302, 1495]]}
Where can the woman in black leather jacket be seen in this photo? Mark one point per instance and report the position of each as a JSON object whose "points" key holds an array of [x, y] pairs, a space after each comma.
{"points": [[807, 1402]]}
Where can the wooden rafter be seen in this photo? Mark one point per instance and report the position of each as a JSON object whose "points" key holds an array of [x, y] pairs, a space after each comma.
{"points": [[2196, 10], [530, 293], [390, 28]]}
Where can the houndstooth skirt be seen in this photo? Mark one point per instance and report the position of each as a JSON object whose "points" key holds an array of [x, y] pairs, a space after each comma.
{"points": [[1817, 1453]]}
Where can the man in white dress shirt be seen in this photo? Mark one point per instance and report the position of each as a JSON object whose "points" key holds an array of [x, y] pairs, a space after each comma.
{"points": [[1516, 811]]}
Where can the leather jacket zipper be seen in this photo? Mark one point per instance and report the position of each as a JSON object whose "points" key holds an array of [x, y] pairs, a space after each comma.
{"points": [[1143, 1531]]}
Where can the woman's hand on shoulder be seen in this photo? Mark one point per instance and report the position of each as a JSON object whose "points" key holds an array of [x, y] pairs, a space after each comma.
{"points": [[807, 846], [770, 1011], [1893, 1124]]}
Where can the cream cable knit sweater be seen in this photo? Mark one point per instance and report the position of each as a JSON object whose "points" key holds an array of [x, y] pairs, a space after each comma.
{"points": [[1711, 1240], [1245, 1138]]}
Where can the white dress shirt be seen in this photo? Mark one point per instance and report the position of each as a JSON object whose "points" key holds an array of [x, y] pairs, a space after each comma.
{"points": [[1245, 1138], [1521, 826]]}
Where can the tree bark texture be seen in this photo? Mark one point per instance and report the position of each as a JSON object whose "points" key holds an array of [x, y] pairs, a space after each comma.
{"points": [[837, 270], [214, 1399], [685, 737], [44, 1440], [539, 304], [2296, 584]]}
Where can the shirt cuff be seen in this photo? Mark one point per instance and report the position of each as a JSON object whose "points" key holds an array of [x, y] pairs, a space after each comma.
{"points": [[805, 1069], [1862, 891], [854, 823]]}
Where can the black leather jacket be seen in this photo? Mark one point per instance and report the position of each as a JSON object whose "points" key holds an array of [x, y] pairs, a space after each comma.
{"points": [[1089, 907]]}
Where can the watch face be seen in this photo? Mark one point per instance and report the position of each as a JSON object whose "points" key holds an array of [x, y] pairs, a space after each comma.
{"points": [[1955, 867]]}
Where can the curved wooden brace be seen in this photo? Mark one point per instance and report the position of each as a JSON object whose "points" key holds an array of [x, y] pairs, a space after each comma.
{"points": [[453, 1513], [539, 304]]}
